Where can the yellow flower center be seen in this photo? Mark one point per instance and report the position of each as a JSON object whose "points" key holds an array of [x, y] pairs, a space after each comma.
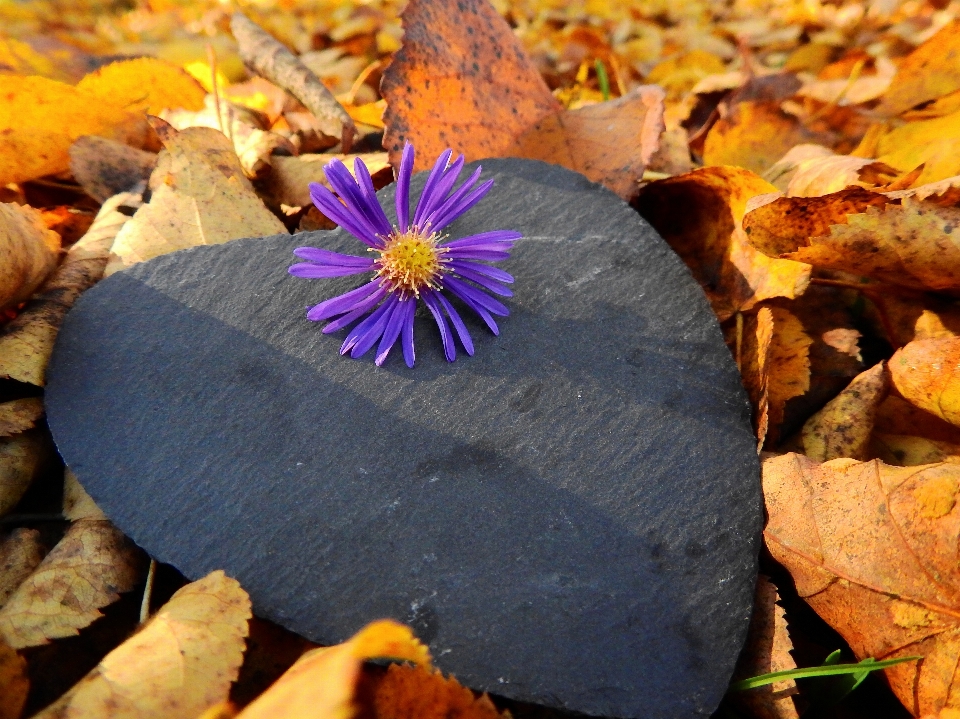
{"points": [[410, 261]]}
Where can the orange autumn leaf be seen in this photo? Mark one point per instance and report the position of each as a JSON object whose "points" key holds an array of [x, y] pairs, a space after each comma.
{"points": [[145, 84], [929, 72], [323, 682], [28, 253], [40, 119], [404, 692], [925, 373], [478, 93], [872, 548], [699, 214]]}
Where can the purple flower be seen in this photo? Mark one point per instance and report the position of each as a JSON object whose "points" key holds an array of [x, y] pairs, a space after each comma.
{"points": [[410, 260]]}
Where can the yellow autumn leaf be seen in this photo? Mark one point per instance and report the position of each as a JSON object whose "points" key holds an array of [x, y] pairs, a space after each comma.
{"points": [[926, 373], [200, 197], [21, 551], [21, 459], [934, 143], [28, 253], [180, 664], [18, 58], [405, 692], [323, 681], [929, 72], [19, 414], [41, 118], [88, 569], [145, 84]]}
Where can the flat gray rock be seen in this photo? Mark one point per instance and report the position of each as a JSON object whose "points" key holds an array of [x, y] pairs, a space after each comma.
{"points": [[570, 517]]}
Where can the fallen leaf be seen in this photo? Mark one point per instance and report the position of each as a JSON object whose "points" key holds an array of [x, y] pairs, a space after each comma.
{"points": [[927, 73], [28, 253], [180, 664], [925, 373], [145, 84], [591, 140], [21, 552], [105, 167], [873, 550], [843, 427], [898, 416], [287, 182], [685, 72], [708, 236], [788, 367], [813, 170], [21, 457], [906, 316], [14, 683], [19, 414], [753, 361], [77, 504], [27, 342], [903, 450], [200, 197], [478, 93], [88, 569], [852, 90], [930, 143], [767, 650], [323, 682], [40, 119], [413, 692], [18, 58], [754, 135]]}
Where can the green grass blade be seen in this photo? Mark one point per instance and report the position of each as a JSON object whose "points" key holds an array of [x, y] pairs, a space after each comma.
{"points": [[602, 79], [866, 666]]}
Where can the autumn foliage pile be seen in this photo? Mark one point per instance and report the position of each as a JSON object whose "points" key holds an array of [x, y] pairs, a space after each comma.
{"points": [[803, 158]]}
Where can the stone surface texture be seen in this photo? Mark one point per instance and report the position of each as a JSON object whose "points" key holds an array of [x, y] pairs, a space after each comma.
{"points": [[570, 517]]}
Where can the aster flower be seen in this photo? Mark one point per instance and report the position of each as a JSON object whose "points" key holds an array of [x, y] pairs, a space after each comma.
{"points": [[410, 260]]}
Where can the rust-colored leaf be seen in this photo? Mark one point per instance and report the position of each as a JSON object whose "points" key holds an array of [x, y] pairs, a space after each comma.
{"points": [[19, 414], [28, 253], [708, 236], [14, 682], [872, 548]]}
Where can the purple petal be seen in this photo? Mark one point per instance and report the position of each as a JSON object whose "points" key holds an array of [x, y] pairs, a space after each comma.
{"points": [[463, 290], [439, 193], [454, 211], [485, 238], [449, 350], [329, 205], [365, 208], [356, 313], [461, 328], [438, 218], [392, 330], [406, 335], [376, 329], [403, 187], [486, 316], [371, 326], [484, 281], [435, 175], [313, 272], [343, 303], [478, 254], [326, 257], [494, 273]]}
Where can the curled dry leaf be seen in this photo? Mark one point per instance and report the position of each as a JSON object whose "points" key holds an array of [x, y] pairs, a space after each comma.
{"points": [[478, 93], [323, 681], [179, 665], [28, 253], [767, 650], [813, 170], [145, 85], [287, 182], [40, 119], [21, 552], [105, 167], [843, 427], [21, 458], [926, 373], [14, 683], [708, 236], [88, 569], [405, 692], [873, 550], [200, 197], [753, 360], [27, 342], [927, 73], [19, 414]]}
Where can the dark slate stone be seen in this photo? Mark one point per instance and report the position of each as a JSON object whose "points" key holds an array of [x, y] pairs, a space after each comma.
{"points": [[570, 517]]}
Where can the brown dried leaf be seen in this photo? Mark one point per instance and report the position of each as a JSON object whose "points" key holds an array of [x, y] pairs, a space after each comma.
{"points": [[927, 73], [788, 366], [708, 236], [767, 650], [927, 374], [91, 566], [27, 341], [200, 197], [873, 550], [897, 416], [14, 683], [405, 692], [28, 253], [287, 182], [323, 681], [180, 664], [77, 504], [19, 414], [105, 167], [843, 427], [21, 456], [754, 367], [813, 170], [20, 553]]}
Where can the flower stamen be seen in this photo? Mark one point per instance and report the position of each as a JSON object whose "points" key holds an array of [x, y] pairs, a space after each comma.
{"points": [[410, 262]]}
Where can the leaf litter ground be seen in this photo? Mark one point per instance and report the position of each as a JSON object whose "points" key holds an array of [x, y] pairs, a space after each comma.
{"points": [[801, 157]]}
